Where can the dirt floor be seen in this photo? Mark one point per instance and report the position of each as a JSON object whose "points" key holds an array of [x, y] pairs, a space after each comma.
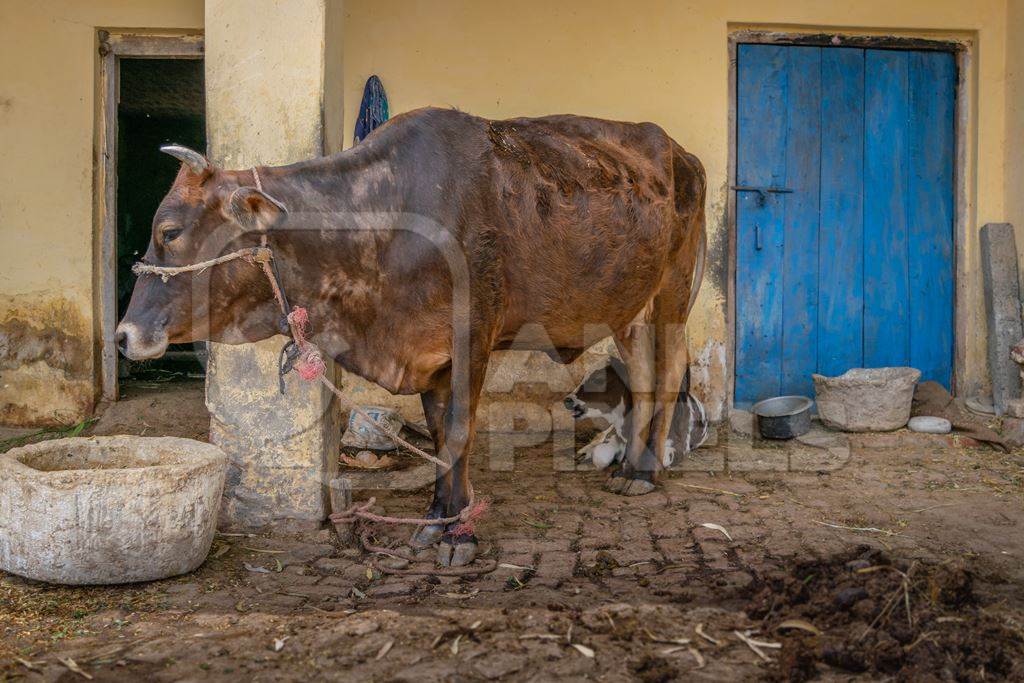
{"points": [[884, 557]]}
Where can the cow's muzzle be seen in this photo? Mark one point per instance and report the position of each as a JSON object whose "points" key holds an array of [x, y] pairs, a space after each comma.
{"points": [[134, 344]]}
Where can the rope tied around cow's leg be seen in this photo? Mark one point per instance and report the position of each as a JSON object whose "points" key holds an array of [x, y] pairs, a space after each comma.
{"points": [[466, 517], [310, 366]]}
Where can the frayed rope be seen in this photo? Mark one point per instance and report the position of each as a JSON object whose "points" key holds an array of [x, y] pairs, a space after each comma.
{"points": [[467, 527], [310, 364]]}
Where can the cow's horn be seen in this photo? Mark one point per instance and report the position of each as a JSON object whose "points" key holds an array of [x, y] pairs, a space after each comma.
{"points": [[196, 161]]}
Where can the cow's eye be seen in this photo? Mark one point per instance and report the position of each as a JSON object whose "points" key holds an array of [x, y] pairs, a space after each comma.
{"points": [[168, 235]]}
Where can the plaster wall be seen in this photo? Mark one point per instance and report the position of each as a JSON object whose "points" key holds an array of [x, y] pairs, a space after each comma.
{"points": [[668, 62], [48, 104], [1014, 146], [659, 60]]}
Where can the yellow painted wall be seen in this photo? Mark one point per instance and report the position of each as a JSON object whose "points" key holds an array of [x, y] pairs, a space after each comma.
{"points": [[48, 70], [658, 60], [1014, 148], [663, 61]]}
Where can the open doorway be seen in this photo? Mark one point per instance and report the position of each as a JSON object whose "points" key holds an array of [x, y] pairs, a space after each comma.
{"points": [[161, 102], [153, 95]]}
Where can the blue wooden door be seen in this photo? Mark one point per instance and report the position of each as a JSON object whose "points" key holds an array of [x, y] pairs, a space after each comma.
{"points": [[844, 225]]}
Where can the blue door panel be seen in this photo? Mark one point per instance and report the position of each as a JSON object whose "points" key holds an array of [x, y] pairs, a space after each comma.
{"points": [[762, 107], [800, 225], [841, 225], [853, 265], [886, 108], [930, 213]]}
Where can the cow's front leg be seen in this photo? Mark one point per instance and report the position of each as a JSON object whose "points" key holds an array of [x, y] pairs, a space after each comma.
{"points": [[434, 403], [458, 545]]}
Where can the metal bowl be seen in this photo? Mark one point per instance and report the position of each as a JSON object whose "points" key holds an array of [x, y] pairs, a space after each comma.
{"points": [[783, 417]]}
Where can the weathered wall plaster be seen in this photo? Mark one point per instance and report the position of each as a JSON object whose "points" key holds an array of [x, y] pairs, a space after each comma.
{"points": [[45, 361], [48, 104], [1014, 147]]}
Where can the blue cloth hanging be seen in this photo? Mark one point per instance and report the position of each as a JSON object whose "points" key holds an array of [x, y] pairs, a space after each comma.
{"points": [[373, 110]]}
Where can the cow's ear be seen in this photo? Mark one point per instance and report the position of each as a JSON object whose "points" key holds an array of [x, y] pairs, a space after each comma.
{"points": [[255, 210]]}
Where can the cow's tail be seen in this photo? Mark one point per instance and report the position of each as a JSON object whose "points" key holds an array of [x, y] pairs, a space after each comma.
{"points": [[698, 267], [690, 183]]}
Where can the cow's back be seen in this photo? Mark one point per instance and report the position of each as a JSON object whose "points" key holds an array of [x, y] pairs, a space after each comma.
{"points": [[589, 220], [568, 221]]}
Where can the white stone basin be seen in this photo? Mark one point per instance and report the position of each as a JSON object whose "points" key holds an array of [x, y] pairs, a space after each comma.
{"points": [[103, 510], [866, 399]]}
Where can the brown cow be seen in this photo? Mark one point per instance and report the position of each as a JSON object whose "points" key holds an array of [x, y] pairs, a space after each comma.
{"points": [[442, 237]]}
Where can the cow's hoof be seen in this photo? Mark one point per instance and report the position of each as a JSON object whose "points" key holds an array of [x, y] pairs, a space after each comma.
{"points": [[456, 551], [426, 536], [636, 487]]}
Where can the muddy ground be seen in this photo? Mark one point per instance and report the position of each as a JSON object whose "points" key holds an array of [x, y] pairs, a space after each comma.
{"points": [[880, 557]]}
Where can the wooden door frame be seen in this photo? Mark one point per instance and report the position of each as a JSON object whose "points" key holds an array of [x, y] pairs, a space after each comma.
{"points": [[962, 48], [112, 47]]}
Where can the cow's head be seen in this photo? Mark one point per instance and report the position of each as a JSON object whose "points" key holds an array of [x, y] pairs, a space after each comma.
{"points": [[207, 213]]}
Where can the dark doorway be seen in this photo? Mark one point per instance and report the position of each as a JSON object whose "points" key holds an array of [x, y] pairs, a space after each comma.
{"points": [[161, 101]]}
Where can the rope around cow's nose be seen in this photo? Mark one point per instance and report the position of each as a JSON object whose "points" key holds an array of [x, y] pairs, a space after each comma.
{"points": [[261, 254]]}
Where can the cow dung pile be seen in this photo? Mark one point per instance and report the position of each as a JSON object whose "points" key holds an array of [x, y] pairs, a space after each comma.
{"points": [[865, 612]]}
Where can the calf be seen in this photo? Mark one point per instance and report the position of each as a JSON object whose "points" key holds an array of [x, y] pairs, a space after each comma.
{"points": [[605, 395]]}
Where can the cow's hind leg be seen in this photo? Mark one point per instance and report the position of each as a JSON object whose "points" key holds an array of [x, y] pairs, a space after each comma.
{"points": [[672, 361], [636, 345], [670, 313], [655, 351], [658, 357]]}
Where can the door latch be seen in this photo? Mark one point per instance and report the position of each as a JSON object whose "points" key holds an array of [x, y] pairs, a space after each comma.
{"points": [[762, 192]]}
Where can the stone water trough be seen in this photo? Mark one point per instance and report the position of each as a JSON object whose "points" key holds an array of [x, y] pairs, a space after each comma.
{"points": [[105, 510], [866, 399]]}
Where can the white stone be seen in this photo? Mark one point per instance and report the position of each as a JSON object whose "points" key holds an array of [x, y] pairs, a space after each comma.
{"points": [[930, 425], [866, 399], [103, 510]]}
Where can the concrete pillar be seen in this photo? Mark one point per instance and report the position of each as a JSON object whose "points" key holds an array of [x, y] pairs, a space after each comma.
{"points": [[273, 96], [1003, 309]]}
